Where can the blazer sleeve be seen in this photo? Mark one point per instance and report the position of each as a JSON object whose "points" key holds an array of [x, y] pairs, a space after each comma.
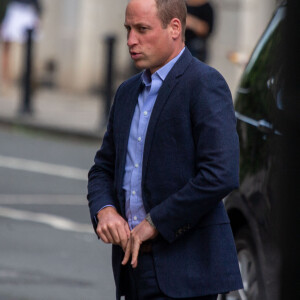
{"points": [[217, 158], [101, 175]]}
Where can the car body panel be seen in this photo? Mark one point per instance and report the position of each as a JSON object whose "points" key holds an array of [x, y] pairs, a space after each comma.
{"points": [[259, 108]]}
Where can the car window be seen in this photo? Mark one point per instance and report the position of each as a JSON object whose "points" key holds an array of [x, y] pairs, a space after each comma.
{"points": [[257, 93]]}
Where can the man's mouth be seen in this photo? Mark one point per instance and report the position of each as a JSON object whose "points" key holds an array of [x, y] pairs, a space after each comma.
{"points": [[135, 55]]}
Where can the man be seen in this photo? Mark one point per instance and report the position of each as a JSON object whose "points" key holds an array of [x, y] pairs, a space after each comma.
{"points": [[168, 158]]}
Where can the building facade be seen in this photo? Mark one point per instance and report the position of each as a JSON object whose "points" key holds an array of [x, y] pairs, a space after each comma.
{"points": [[73, 33]]}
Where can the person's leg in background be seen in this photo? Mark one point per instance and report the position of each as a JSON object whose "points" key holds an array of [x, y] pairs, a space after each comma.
{"points": [[5, 70]]}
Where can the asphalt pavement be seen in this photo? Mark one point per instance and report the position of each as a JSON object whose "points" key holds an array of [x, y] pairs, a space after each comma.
{"points": [[47, 245]]}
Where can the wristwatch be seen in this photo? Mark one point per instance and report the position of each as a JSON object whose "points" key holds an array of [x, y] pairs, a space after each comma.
{"points": [[149, 220]]}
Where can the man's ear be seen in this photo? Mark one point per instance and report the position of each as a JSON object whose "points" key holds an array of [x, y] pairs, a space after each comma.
{"points": [[175, 28]]}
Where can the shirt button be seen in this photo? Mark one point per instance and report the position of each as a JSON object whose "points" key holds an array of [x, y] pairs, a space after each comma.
{"points": [[139, 139], [145, 113], [135, 218], [136, 165], [133, 192]]}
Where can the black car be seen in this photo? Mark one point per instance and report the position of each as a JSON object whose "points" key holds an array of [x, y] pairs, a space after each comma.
{"points": [[259, 107]]}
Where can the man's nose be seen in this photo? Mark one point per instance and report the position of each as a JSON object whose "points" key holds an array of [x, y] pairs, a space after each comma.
{"points": [[131, 38]]}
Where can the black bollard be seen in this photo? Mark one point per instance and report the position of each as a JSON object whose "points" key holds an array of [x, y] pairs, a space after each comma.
{"points": [[110, 42], [27, 74]]}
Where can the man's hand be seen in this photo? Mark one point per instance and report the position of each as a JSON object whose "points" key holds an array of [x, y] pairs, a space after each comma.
{"points": [[141, 233], [112, 228]]}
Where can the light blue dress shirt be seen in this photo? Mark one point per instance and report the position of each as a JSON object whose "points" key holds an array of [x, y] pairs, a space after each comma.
{"points": [[135, 211]]}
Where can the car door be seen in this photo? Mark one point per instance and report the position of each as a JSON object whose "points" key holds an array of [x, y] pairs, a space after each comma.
{"points": [[258, 106]]}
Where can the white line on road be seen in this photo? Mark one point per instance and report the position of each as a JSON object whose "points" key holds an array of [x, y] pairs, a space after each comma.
{"points": [[51, 220], [43, 199], [42, 168]]}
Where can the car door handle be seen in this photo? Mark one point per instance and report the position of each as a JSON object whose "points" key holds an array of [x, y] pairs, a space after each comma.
{"points": [[243, 91], [262, 125]]}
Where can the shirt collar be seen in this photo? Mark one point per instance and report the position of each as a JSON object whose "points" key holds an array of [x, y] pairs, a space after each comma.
{"points": [[160, 73]]}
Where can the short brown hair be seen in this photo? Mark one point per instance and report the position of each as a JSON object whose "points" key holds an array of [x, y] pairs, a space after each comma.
{"points": [[169, 9]]}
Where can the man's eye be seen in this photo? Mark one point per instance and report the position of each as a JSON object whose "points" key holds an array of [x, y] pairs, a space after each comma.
{"points": [[143, 29]]}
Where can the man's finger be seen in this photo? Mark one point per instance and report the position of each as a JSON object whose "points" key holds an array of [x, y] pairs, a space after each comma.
{"points": [[127, 253], [124, 237], [101, 235], [127, 230], [105, 236], [115, 235], [135, 252]]}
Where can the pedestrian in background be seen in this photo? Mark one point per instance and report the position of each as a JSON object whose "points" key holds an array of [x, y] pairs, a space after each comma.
{"points": [[169, 156], [199, 26], [3, 4], [20, 15]]}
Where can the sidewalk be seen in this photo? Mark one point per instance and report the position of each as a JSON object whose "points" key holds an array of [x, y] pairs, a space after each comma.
{"points": [[55, 111]]}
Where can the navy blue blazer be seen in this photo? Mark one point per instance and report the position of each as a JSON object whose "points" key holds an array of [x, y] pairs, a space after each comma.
{"points": [[191, 162]]}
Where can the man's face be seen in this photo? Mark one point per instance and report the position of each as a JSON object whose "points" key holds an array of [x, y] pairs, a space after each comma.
{"points": [[150, 45]]}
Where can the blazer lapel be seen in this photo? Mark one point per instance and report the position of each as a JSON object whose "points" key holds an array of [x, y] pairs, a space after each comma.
{"points": [[168, 85], [129, 101]]}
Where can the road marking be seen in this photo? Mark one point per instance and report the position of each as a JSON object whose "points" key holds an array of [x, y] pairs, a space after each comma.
{"points": [[42, 168], [51, 220], [43, 199]]}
